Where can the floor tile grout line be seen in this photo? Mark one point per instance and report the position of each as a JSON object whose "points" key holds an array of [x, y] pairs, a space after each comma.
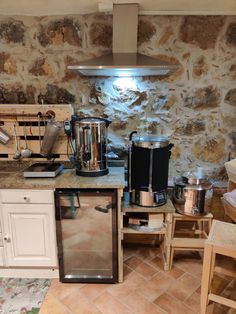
{"points": [[177, 299], [147, 280], [138, 255], [159, 308], [192, 293], [151, 257], [167, 272], [187, 304], [152, 302], [186, 271], [128, 308], [135, 290], [64, 305], [61, 303], [86, 298], [195, 288], [179, 267]]}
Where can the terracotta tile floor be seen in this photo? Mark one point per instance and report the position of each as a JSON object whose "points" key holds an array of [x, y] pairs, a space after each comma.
{"points": [[146, 288]]}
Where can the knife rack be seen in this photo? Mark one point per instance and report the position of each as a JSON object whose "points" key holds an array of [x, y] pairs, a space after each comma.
{"points": [[34, 118]]}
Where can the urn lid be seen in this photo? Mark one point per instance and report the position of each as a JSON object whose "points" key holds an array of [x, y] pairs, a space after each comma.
{"points": [[150, 141]]}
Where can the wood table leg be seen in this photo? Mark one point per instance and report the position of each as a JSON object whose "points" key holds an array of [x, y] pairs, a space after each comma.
{"points": [[120, 235], [167, 241], [206, 277]]}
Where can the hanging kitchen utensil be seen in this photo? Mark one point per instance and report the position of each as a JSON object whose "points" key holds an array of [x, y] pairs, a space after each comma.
{"points": [[50, 135], [39, 130], [17, 153], [25, 152], [4, 137]]}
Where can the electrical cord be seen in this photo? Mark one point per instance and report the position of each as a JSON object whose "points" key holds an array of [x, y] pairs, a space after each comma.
{"points": [[70, 151]]}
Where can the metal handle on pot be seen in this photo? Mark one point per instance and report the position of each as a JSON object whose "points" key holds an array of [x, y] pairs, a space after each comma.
{"points": [[170, 146], [131, 135], [129, 177], [108, 122], [102, 119], [129, 156]]}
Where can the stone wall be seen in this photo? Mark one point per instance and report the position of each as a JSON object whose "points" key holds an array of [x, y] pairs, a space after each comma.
{"points": [[195, 107]]}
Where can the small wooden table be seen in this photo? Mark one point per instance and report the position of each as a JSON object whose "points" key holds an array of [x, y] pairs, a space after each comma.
{"points": [[189, 242], [221, 240], [167, 210]]}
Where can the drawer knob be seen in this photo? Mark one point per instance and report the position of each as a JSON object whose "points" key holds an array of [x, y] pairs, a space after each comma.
{"points": [[26, 198], [6, 238]]}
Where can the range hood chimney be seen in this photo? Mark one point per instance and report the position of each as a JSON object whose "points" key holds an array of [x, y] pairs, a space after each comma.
{"points": [[124, 60]]}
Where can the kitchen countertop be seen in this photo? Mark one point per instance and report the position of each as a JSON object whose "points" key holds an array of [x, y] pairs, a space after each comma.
{"points": [[11, 174]]}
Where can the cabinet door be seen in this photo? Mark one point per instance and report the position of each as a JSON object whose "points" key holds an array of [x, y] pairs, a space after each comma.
{"points": [[29, 235], [1, 257]]}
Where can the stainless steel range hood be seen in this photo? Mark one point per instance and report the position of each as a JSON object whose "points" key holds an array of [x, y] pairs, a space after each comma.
{"points": [[124, 61]]}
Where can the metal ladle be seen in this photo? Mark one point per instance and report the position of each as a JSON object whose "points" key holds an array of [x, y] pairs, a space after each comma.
{"points": [[25, 152], [17, 154]]}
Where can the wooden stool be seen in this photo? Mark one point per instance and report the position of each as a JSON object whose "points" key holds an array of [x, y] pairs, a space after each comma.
{"points": [[221, 240], [188, 243]]}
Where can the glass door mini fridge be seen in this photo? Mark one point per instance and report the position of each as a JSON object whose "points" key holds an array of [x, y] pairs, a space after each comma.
{"points": [[86, 222]]}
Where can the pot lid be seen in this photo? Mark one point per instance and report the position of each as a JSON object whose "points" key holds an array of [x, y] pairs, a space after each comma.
{"points": [[193, 183], [195, 177], [150, 141], [90, 120]]}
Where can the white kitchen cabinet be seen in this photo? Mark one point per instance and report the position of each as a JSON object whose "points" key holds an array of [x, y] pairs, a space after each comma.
{"points": [[1, 247], [1, 257], [28, 228]]}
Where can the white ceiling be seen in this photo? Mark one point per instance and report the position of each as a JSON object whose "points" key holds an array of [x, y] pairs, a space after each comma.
{"points": [[55, 7]]}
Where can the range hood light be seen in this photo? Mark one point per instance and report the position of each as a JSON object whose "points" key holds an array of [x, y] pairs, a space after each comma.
{"points": [[123, 72]]}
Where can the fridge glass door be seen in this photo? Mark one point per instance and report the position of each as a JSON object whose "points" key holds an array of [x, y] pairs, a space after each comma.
{"points": [[86, 235]]}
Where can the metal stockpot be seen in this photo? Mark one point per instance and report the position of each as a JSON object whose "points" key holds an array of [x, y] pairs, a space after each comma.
{"points": [[51, 133], [91, 146], [192, 196], [148, 169]]}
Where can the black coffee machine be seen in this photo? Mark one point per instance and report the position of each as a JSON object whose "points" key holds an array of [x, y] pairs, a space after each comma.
{"points": [[148, 166]]}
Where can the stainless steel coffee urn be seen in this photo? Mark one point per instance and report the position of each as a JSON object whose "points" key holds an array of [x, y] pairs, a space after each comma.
{"points": [[90, 134], [192, 194], [148, 166]]}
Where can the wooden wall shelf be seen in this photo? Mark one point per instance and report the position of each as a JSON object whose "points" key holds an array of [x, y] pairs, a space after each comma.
{"points": [[28, 116]]}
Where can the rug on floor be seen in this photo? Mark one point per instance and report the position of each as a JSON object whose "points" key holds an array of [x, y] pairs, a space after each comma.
{"points": [[22, 295]]}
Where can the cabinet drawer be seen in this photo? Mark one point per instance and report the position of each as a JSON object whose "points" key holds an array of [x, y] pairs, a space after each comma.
{"points": [[27, 196]]}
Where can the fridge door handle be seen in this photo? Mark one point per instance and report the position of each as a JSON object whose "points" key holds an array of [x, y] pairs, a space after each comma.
{"points": [[103, 209]]}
